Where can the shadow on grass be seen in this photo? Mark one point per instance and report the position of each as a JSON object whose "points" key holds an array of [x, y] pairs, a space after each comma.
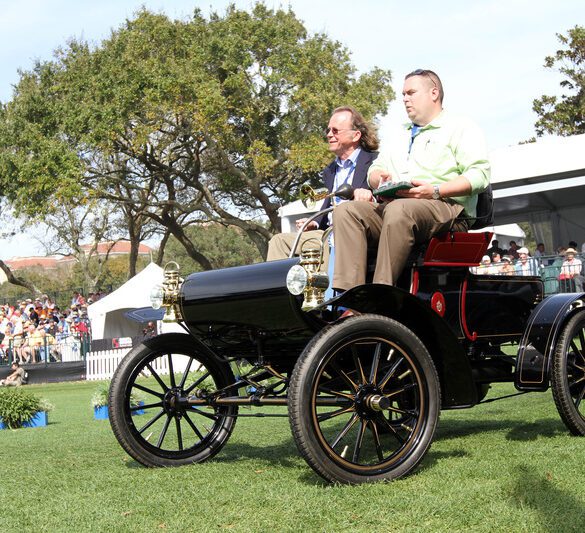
{"points": [[429, 461], [546, 427], [284, 454], [556, 509]]}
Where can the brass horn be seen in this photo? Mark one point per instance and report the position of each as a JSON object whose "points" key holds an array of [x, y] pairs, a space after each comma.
{"points": [[309, 196]]}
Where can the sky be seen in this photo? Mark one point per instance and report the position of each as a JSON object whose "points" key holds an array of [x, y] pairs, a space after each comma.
{"points": [[488, 53]]}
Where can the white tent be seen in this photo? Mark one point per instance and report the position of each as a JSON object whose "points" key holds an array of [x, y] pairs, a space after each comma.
{"points": [[107, 315]]}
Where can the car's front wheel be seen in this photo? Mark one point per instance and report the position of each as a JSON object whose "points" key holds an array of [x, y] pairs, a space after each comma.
{"points": [[158, 378]]}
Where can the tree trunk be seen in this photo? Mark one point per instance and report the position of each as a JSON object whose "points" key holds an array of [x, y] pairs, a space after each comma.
{"points": [[18, 281]]}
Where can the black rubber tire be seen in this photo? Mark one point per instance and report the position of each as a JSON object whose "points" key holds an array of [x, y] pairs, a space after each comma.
{"points": [[568, 374], [380, 358], [185, 434]]}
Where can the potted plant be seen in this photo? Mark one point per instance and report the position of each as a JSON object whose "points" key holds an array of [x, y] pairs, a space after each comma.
{"points": [[99, 402], [22, 408]]}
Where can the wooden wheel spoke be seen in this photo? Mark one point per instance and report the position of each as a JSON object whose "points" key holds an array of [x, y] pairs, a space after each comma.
{"points": [[332, 414], [400, 390], [146, 406], [406, 412], [375, 363], [157, 377], [148, 390], [151, 421], [390, 373], [171, 371], [376, 437], [345, 430], [163, 432], [195, 410], [186, 373], [197, 383], [393, 431], [358, 364], [359, 441], [193, 427], [179, 433], [344, 376], [326, 390]]}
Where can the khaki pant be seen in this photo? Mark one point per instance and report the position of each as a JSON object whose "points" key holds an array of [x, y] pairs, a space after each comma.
{"points": [[281, 244], [395, 227]]}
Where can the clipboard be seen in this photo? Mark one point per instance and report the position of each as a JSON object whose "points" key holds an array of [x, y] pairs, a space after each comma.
{"points": [[390, 188]]}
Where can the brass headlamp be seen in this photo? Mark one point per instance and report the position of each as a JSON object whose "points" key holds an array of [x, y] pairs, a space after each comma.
{"points": [[167, 294], [305, 278]]}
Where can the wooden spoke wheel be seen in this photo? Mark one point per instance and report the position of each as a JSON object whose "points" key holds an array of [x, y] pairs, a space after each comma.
{"points": [[164, 429], [364, 401]]}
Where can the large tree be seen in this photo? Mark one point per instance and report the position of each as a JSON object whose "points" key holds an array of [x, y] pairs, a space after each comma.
{"points": [[565, 115], [207, 119]]}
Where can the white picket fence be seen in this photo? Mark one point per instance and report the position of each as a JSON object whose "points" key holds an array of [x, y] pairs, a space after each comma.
{"points": [[102, 364]]}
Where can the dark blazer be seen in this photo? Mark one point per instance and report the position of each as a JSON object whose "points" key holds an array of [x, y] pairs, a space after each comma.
{"points": [[359, 180]]}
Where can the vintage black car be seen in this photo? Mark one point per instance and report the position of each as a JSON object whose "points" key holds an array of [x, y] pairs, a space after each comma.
{"points": [[363, 392]]}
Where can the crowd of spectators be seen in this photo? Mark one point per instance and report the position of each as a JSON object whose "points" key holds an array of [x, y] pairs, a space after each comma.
{"points": [[33, 331], [566, 265]]}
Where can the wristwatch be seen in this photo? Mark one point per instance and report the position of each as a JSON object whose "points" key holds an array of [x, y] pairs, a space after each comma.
{"points": [[436, 193]]}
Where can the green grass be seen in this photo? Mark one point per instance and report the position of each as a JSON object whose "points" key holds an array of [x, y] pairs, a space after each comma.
{"points": [[505, 466]]}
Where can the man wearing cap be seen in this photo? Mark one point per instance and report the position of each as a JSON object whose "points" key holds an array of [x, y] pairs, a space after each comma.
{"points": [[525, 265], [572, 268], [16, 378]]}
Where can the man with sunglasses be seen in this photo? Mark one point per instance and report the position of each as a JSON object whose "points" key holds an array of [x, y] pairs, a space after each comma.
{"points": [[354, 143], [444, 158]]}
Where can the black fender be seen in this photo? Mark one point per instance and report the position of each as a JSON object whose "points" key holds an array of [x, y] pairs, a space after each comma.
{"points": [[540, 339], [451, 361]]}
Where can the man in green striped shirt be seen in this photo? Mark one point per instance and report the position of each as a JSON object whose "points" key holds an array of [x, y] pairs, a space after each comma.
{"points": [[443, 157]]}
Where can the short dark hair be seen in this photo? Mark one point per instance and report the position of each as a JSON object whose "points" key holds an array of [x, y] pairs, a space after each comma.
{"points": [[369, 139], [431, 76], [15, 363]]}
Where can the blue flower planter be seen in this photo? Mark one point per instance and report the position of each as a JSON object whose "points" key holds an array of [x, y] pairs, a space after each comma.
{"points": [[41, 419], [101, 413]]}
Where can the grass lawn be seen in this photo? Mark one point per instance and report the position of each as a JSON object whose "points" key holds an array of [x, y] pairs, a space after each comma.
{"points": [[505, 466]]}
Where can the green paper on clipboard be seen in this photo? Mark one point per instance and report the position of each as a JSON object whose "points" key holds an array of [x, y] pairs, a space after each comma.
{"points": [[390, 188]]}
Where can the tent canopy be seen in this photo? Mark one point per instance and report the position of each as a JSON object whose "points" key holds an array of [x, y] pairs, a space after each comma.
{"points": [[108, 315], [542, 183]]}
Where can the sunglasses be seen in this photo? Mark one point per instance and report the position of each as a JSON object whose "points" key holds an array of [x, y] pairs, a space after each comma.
{"points": [[335, 131], [423, 72]]}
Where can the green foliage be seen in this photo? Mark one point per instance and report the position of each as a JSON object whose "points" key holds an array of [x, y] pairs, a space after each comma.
{"points": [[18, 405], [565, 115], [225, 247], [204, 119]]}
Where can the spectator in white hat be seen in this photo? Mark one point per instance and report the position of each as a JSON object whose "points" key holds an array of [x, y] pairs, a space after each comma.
{"points": [[525, 265], [572, 268]]}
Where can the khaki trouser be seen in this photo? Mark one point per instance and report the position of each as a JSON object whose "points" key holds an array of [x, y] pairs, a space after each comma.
{"points": [[281, 244], [395, 227]]}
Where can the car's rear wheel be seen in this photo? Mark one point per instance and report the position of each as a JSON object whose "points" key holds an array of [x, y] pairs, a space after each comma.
{"points": [[164, 373], [568, 374], [364, 401]]}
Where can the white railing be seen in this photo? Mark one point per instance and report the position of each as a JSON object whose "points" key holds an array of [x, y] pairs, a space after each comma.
{"points": [[103, 364]]}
